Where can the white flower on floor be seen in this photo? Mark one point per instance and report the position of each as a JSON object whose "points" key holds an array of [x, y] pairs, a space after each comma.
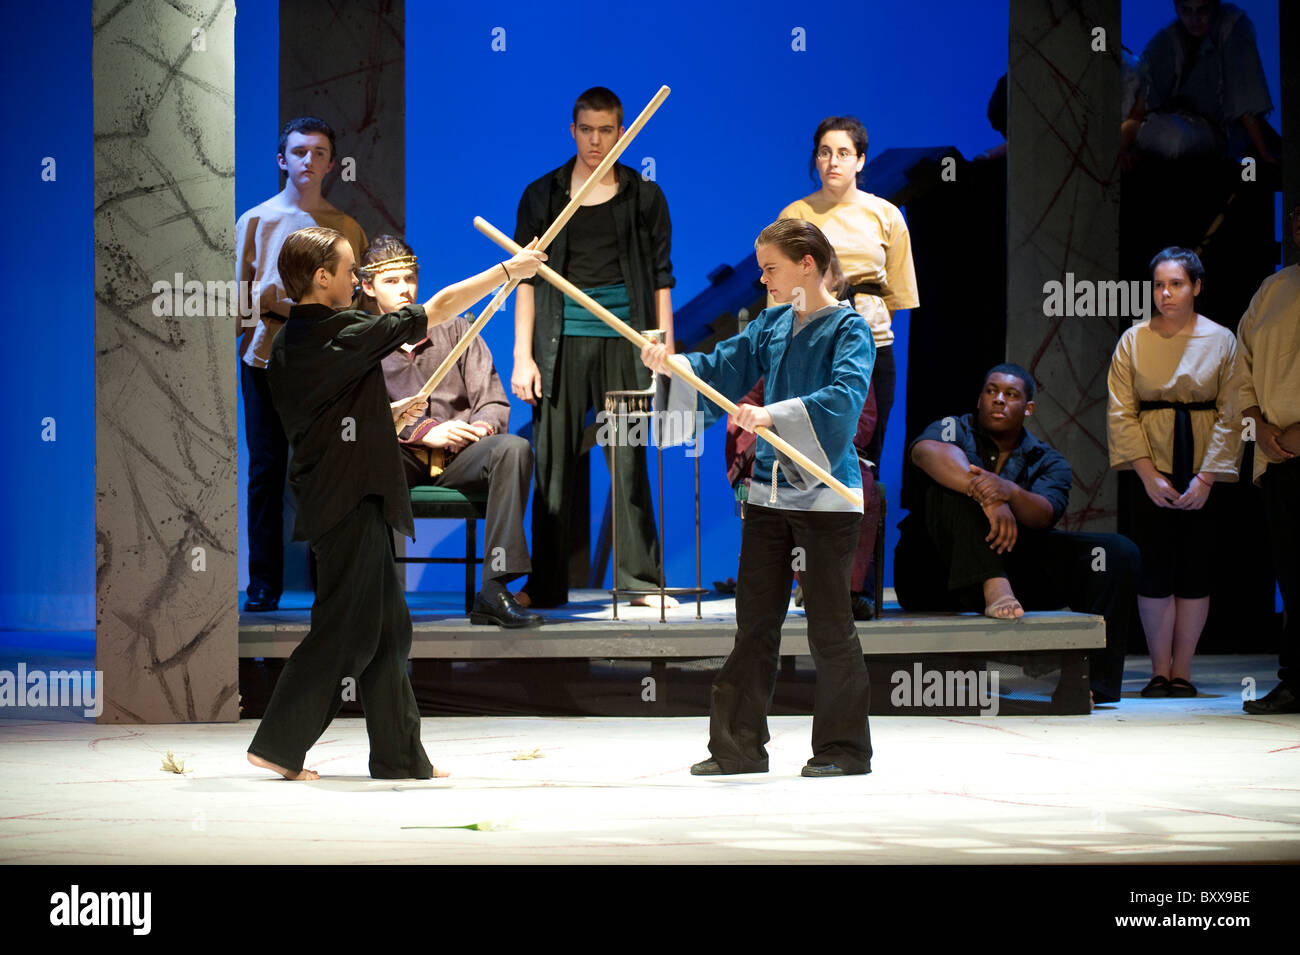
{"points": [[171, 764]]}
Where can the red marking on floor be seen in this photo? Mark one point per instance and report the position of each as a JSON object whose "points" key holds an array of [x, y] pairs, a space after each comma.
{"points": [[28, 815], [984, 724], [1009, 802]]}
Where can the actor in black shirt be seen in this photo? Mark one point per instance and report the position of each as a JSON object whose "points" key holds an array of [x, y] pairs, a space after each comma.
{"points": [[982, 501], [616, 248], [325, 379]]}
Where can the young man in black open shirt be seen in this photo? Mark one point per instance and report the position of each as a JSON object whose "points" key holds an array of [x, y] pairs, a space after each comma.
{"points": [[615, 248], [327, 386]]}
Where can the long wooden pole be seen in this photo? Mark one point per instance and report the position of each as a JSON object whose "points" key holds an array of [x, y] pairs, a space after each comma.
{"points": [[682, 369], [547, 238]]}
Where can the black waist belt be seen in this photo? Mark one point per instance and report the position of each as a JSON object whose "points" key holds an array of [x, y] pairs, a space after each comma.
{"points": [[870, 288], [1183, 439]]}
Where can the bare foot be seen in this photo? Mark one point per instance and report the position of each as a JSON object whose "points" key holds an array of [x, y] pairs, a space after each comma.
{"points": [[652, 600], [441, 773], [523, 599], [999, 602], [267, 764]]}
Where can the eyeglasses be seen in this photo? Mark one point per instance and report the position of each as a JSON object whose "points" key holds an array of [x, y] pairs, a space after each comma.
{"points": [[843, 155]]}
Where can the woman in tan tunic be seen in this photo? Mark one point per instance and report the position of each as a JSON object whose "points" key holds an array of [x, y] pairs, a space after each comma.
{"points": [[1167, 423]]}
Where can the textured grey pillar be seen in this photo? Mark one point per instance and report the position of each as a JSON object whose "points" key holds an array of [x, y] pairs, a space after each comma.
{"points": [[1288, 25], [164, 111], [1063, 217], [346, 63]]}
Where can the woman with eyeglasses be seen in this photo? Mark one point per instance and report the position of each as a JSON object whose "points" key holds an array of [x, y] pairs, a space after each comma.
{"points": [[871, 239]]}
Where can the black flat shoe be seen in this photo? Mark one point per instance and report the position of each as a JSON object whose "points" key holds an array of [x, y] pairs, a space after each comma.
{"points": [[503, 611], [1158, 687], [261, 601], [864, 608], [1280, 699], [816, 771], [711, 767], [1180, 687]]}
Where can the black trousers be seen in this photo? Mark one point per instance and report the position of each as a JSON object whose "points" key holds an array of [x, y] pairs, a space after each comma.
{"points": [[586, 368], [268, 463], [942, 561], [884, 375], [773, 543], [501, 465], [1281, 484], [360, 638]]}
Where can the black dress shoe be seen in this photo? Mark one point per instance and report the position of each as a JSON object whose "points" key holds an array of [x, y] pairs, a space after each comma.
{"points": [[1280, 699], [502, 610], [708, 767], [830, 769], [1180, 687], [864, 608], [261, 601], [711, 767]]}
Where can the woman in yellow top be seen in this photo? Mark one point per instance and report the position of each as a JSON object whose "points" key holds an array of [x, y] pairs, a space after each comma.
{"points": [[1167, 423], [871, 239]]}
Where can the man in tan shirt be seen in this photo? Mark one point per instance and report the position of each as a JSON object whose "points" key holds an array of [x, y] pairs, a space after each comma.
{"points": [[1266, 387], [306, 154]]}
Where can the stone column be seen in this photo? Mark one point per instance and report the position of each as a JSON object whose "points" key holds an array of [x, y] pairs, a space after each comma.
{"points": [[1063, 218], [165, 512], [346, 63], [1288, 22]]}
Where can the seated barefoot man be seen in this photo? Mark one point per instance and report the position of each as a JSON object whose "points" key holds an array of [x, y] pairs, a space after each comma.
{"points": [[346, 475], [462, 439], [978, 535]]}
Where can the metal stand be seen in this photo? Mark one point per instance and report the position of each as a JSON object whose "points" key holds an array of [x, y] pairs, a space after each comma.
{"points": [[622, 407]]}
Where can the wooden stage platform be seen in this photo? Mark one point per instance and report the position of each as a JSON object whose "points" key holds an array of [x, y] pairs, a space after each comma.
{"points": [[921, 664]]}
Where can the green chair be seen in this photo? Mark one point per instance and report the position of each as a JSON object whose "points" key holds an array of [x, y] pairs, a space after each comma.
{"points": [[444, 503]]}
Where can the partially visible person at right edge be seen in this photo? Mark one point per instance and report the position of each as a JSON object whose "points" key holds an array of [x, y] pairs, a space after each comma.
{"points": [[1266, 387]]}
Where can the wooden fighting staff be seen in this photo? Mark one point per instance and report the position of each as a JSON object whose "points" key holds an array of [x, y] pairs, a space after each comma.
{"points": [[681, 367], [565, 215]]}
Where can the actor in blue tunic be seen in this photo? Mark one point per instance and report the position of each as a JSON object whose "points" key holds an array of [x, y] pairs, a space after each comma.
{"points": [[816, 356]]}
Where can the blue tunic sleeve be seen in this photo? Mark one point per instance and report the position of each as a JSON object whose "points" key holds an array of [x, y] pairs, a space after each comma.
{"points": [[733, 368]]}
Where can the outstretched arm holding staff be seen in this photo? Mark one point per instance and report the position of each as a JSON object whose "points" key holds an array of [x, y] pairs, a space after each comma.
{"points": [[547, 238]]}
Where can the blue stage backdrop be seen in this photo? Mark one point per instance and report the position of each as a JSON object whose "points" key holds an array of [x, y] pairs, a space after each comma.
{"points": [[489, 94], [730, 147]]}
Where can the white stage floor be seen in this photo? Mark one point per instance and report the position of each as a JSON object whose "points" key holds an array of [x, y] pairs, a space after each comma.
{"points": [[1170, 781]]}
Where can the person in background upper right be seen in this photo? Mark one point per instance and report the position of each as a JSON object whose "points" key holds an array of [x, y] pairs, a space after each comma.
{"points": [[1201, 90], [1266, 388]]}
